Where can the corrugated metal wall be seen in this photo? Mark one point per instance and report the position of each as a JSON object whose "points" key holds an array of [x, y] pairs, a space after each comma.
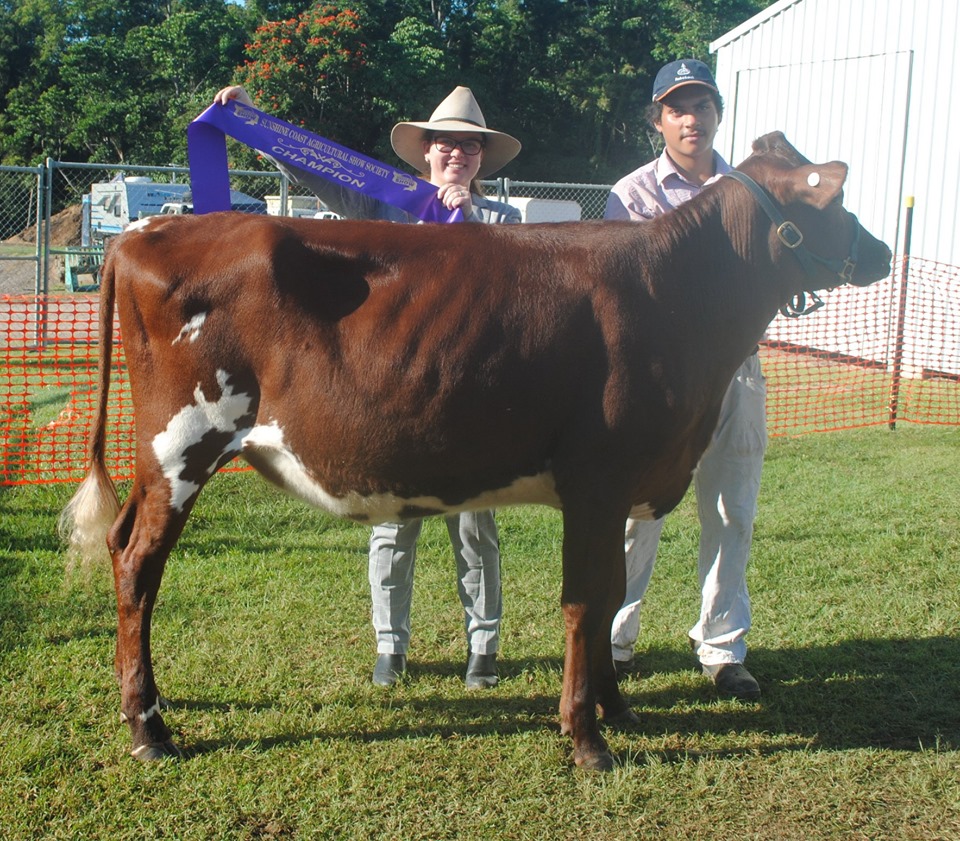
{"points": [[872, 82]]}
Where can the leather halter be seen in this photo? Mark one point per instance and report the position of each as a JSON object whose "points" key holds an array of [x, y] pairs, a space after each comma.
{"points": [[791, 236]]}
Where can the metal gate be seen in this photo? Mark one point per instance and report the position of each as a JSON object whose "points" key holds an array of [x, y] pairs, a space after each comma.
{"points": [[21, 203]]}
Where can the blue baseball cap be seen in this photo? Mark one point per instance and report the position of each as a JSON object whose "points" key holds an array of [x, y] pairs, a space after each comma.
{"points": [[687, 71]]}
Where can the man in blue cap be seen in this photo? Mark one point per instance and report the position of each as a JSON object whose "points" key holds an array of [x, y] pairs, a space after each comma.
{"points": [[686, 110]]}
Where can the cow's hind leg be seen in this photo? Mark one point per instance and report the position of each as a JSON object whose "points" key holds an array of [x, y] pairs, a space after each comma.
{"points": [[592, 589], [140, 542], [182, 443]]}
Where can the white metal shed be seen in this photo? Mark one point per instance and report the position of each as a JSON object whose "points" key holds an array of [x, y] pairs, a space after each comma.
{"points": [[874, 83]]}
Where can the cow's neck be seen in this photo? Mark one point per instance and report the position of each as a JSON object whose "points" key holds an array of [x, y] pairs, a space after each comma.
{"points": [[726, 286]]}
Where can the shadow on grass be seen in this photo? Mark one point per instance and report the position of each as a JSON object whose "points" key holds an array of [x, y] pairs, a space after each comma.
{"points": [[895, 694], [514, 714]]}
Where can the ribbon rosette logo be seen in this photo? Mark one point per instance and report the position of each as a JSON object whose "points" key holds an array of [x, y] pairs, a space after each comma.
{"points": [[249, 116], [408, 182]]}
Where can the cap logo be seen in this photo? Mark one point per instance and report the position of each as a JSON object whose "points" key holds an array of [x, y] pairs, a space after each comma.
{"points": [[679, 73]]}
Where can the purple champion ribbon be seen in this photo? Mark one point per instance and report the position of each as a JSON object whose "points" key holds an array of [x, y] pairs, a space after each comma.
{"points": [[297, 147]]}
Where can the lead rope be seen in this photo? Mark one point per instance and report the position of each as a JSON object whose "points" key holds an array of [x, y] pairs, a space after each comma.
{"points": [[798, 306]]}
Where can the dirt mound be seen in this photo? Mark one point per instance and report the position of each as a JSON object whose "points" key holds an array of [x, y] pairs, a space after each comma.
{"points": [[19, 277], [64, 229]]}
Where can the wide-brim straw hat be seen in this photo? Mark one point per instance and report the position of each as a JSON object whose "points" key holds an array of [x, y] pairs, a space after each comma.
{"points": [[458, 112]]}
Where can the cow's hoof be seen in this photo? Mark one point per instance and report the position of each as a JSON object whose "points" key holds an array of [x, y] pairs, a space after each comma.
{"points": [[622, 720], [156, 751], [602, 761]]}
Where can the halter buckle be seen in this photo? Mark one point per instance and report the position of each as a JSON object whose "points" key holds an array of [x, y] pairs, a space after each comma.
{"points": [[790, 235], [846, 273]]}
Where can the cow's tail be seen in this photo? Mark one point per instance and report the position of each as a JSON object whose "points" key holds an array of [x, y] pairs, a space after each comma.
{"points": [[95, 506]]}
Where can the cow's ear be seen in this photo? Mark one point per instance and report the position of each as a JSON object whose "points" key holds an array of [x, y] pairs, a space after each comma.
{"points": [[775, 141], [815, 184]]}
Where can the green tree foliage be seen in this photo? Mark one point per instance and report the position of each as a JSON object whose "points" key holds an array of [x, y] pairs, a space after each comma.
{"points": [[187, 57], [119, 80], [114, 80]]}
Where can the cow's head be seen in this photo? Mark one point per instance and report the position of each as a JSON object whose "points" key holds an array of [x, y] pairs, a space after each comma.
{"points": [[805, 203]]}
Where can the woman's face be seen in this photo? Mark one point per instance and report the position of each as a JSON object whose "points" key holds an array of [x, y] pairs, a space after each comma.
{"points": [[454, 166]]}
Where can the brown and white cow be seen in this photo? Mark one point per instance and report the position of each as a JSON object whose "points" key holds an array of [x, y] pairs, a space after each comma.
{"points": [[385, 371]]}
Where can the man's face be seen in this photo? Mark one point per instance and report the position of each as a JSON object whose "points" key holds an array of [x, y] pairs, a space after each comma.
{"points": [[689, 122]]}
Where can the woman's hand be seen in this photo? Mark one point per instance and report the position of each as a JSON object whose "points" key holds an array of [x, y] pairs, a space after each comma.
{"points": [[454, 196], [223, 96]]}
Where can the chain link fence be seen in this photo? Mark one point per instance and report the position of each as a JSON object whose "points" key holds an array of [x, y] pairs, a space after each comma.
{"points": [[46, 243], [591, 198], [21, 206]]}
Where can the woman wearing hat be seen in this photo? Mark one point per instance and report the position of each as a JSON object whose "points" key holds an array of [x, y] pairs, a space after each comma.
{"points": [[453, 149]]}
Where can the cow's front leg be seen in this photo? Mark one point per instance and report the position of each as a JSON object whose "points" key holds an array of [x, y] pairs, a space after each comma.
{"points": [[592, 566], [616, 711], [140, 543], [578, 710]]}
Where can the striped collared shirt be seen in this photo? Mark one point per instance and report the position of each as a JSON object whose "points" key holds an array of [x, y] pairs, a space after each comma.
{"points": [[655, 188]]}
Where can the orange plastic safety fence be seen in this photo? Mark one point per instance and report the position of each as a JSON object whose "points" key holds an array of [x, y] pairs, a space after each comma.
{"points": [[886, 354], [48, 390]]}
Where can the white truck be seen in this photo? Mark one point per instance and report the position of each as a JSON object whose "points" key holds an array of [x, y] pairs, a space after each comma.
{"points": [[115, 204]]}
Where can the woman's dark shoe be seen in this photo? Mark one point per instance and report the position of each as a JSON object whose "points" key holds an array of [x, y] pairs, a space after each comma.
{"points": [[625, 668], [389, 669], [482, 671]]}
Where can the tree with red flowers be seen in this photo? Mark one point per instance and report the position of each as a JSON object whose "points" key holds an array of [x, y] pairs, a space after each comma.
{"points": [[313, 70]]}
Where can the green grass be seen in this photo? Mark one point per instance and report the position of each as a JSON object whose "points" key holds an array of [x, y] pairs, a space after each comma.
{"points": [[262, 643], [10, 250]]}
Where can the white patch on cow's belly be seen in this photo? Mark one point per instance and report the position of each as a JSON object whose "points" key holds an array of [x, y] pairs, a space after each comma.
{"points": [[265, 448], [188, 426], [191, 330]]}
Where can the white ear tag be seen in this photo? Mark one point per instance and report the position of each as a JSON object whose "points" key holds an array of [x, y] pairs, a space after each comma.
{"points": [[813, 179]]}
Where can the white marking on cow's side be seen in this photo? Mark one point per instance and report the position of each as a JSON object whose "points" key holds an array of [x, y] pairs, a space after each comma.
{"points": [[191, 330], [188, 426], [140, 224], [265, 449]]}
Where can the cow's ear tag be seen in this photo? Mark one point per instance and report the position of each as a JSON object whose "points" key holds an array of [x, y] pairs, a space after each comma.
{"points": [[813, 179]]}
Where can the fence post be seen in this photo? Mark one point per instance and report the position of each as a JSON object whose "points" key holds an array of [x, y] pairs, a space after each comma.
{"points": [[284, 195], [47, 213], [901, 317], [43, 286], [38, 239]]}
